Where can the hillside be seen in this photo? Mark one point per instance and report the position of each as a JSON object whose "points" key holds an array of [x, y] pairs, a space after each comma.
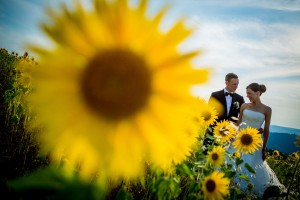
{"points": [[283, 142], [282, 129]]}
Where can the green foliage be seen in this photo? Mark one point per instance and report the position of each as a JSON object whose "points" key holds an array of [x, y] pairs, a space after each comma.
{"points": [[52, 183], [123, 195], [23, 175], [18, 149], [249, 168], [287, 170]]}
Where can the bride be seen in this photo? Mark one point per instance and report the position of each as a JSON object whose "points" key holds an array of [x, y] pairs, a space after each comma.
{"points": [[255, 114]]}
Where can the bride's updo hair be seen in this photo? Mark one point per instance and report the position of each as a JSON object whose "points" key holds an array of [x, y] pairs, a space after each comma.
{"points": [[257, 87]]}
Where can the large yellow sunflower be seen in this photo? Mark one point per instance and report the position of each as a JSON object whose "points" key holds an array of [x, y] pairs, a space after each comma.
{"points": [[114, 92], [215, 186], [248, 140], [216, 156], [224, 131]]}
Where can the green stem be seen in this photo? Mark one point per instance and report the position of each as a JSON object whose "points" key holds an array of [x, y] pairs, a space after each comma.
{"points": [[236, 171], [291, 183]]}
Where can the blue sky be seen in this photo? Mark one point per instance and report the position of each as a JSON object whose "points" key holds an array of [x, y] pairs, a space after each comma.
{"points": [[259, 40]]}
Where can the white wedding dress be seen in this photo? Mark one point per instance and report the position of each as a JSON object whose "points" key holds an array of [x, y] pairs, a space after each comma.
{"points": [[264, 176]]}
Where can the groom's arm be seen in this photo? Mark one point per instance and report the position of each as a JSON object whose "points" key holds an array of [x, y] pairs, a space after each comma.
{"points": [[243, 106]]}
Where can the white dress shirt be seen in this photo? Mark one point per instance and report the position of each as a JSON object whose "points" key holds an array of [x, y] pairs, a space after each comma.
{"points": [[228, 101]]}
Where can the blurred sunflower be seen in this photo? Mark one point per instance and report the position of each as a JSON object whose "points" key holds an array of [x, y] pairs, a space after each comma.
{"points": [[216, 156], [248, 140], [114, 92], [207, 112], [224, 131], [25, 68], [217, 105], [216, 186], [297, 143], [25, 80]]}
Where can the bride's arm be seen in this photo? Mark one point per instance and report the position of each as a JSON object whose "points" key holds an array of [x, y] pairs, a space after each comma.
{"points": [[266, 131]]}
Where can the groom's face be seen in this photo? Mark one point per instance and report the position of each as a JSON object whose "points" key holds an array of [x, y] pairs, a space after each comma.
{"points": [[232, 84]]}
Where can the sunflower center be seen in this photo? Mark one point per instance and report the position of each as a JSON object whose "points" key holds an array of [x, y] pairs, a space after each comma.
{"points": [[210, 185], [215, 156], [206, 115], [223, 131], [116, 84], [246, 139]]}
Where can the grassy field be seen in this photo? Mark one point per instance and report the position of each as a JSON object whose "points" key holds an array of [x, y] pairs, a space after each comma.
{"points": [[27, 171]]}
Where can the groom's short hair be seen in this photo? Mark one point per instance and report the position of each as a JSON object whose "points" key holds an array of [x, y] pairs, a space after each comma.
{"points": [[230, 76]]}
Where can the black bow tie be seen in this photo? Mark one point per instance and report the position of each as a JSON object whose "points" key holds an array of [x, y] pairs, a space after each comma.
{"points": [[229, 93]]}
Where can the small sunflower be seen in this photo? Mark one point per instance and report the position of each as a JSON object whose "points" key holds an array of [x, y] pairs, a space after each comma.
{"points": [[295, 155], [297, 143], [25, 68], [25, 80], [224, 131], [215, 186], [216, 156], [237, 154], [248, 140], [208, 113], [114, 92], [276, 153]]}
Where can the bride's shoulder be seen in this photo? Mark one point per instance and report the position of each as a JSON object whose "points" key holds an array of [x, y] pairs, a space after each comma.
{"points": [[245, 105], [267, 109]]}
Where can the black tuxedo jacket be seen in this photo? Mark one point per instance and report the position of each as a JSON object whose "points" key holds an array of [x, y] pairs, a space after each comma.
{"points": [[219, 96]]}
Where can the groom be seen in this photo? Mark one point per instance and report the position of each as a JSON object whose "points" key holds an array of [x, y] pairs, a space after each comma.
{"points": [[226, 101]]}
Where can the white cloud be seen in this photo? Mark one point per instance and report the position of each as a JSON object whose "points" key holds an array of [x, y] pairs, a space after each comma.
{"points": [[256, 50], [226, 45], [285, 5], [269, 54]]}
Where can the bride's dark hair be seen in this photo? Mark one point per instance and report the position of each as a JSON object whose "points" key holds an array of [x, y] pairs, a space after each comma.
{"points": [[257, 87]]}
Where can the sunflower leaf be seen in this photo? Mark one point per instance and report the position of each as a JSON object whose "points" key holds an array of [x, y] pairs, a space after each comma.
{"points": [[210, 129], [245, 177], [239, 161], [230, 174], [45, 179], [210, 137], [51, 182], [123, 195], [249, 168]]}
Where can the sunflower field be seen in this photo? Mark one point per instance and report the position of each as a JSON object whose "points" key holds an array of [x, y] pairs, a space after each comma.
{"points": [[27, 173], [107, 113]]}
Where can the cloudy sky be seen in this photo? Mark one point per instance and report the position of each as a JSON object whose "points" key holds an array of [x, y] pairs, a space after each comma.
{"points": [[259, 40]]}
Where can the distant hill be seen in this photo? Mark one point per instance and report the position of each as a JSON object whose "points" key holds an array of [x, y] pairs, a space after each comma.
{"points": [[282, 139], [282, 142], [282, 129]]}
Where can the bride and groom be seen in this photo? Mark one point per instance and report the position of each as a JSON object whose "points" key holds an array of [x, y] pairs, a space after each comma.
{"points": [[256, 115]]}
